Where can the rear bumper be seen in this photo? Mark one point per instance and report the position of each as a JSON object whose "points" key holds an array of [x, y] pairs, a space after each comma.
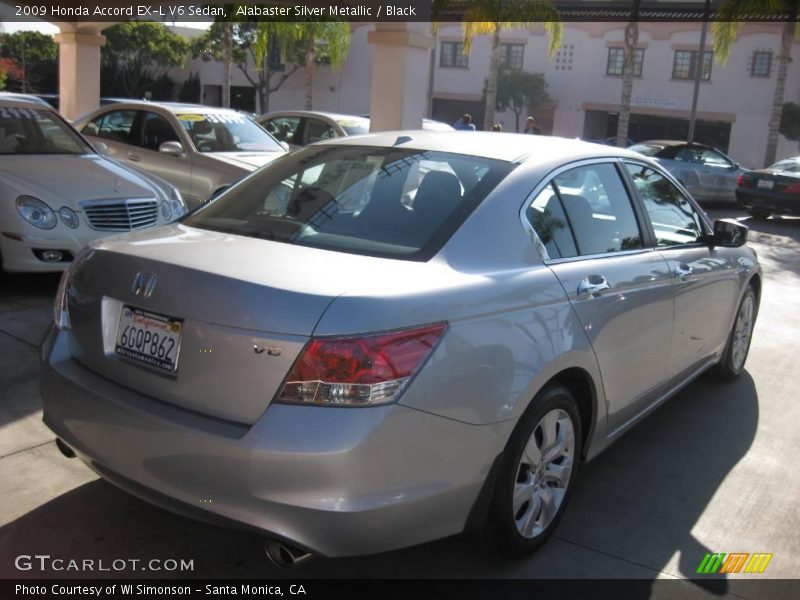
{"points": [[335, 481], [767, 202]]}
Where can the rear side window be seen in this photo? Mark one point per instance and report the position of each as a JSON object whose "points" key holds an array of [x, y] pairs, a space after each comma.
{"points": [[389, 202], [284, 129], [546, 215], [114, 126], [155, 130], [585, 211], [317, 130]]}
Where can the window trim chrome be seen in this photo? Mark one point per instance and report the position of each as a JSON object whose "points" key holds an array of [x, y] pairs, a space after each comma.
{"points": [[547, 180]]}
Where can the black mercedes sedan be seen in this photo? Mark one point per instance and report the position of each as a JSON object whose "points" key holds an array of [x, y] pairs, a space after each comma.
{"points": [[771, 191]]}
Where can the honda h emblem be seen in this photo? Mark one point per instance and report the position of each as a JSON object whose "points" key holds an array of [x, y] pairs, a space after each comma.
{"points": [[143, 284]]}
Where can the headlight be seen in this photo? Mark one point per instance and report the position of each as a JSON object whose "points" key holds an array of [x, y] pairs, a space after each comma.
{"points": [[176, 203], [68, 217], [36, 212]]}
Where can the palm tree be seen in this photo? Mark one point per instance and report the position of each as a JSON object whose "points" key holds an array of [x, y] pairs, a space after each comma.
{"points": [[628, 69], [490, 17], [724, 31], [227, 63], [323, 39]]}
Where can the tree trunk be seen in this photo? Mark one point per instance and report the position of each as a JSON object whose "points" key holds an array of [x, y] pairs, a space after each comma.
{"points": [[265, 97], [227, 62], [784, 58], [628, 67], [262, 92], [491, 80], [311, 63]]}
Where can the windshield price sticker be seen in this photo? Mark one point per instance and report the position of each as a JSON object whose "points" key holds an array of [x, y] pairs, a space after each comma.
{"points": [[11, 112], [213, 118]]}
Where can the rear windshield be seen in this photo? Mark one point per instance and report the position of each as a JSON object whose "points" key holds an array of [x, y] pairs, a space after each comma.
{"points": [[388, 202], [646, 149], [353, 126], [791, 165]]}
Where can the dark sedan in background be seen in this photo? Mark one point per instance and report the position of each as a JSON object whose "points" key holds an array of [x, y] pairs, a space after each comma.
{"points": [[771, 191]]}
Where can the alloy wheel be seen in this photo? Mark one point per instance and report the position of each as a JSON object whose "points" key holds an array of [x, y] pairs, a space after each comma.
{"points": [[544, 473], [742, 332]]}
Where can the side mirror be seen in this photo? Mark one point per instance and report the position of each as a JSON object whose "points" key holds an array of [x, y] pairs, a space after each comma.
{"points": [[101, 148], [173, 148], [728, 234], [286, 146]]}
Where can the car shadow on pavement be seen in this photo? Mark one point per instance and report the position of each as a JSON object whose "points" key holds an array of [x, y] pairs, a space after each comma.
{"points": [[633, 509], [779, 242], [642, 498]]}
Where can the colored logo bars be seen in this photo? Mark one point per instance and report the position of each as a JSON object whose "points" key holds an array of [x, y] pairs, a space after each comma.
{"points": [[735, 562]]}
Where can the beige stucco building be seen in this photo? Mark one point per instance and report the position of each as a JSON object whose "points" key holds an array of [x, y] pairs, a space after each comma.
{"points": [[583, 81]]}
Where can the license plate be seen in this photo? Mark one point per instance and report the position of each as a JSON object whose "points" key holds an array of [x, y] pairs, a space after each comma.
{"points": [[149, 338], [766, 184]]}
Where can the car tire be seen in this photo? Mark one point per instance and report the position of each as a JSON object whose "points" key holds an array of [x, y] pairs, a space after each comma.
{"points": [[737, 348], [530, 497], [759, 214]]}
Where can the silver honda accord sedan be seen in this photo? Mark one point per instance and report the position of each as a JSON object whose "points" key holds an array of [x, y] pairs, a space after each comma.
{"points": [[383, 340]]}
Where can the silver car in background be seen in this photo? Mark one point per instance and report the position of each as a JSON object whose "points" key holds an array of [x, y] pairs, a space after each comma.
{"points": [[708, 174], [199, 149], [300, 128], [377, 342]]}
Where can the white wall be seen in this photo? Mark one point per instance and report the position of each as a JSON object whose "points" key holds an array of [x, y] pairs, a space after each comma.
{"points": [[344, 90]]}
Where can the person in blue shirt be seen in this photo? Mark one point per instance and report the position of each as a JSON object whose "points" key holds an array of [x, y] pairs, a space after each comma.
{"points": [[464, 123]]}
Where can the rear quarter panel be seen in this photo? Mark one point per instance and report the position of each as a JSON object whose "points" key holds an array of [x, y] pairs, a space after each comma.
{"points": [[510, 325]]}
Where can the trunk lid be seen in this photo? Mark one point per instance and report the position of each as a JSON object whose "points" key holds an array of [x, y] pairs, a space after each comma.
{"points": [[246, 306]]}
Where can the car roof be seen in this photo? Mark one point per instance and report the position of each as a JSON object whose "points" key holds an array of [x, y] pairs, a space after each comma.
{"points": [[16, 102], [670, 143], [510, 147], [25, 99], [173, 107]]}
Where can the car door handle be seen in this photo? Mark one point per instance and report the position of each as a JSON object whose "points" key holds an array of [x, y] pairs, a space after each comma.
{"points": [[593, 286], [683, 271], [133, 157]]}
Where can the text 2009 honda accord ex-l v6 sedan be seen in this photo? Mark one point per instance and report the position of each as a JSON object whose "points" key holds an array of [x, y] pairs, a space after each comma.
{"points": [[379, 341]]}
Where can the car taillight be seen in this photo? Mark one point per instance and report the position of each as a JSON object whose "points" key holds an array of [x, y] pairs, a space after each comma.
{"points": [[743, 181], [61, 307], [358, 371], [793, 189]]}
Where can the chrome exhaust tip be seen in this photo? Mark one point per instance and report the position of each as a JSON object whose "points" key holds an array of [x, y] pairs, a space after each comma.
{"points": [[284, 556], [65, 450]]}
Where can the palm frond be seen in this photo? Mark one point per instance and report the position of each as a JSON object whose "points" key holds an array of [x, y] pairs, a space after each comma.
{"points": [[730, 16], [483, 16]]}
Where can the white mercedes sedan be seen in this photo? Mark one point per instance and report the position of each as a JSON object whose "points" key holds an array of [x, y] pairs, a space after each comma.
{"points": [[59, 194]]}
